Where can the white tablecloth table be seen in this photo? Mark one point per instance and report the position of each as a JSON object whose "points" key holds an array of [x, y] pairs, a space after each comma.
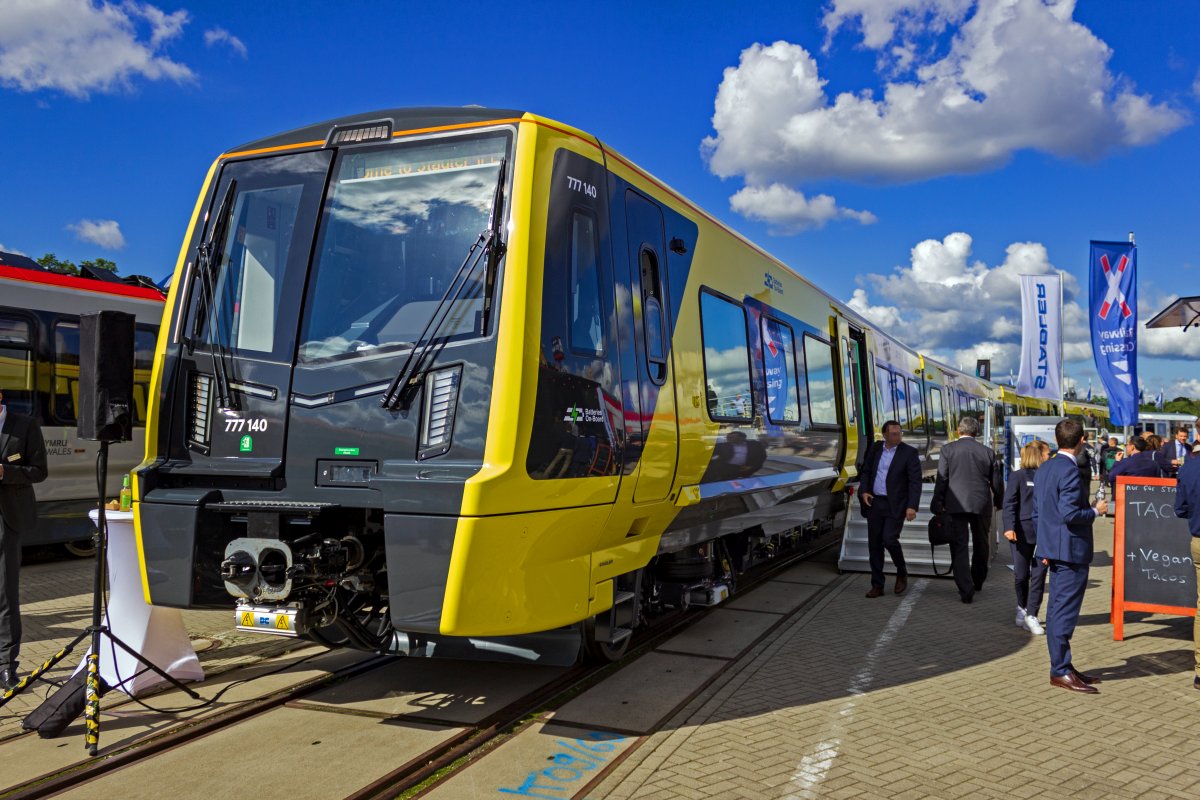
{"points": [[156, 633]]}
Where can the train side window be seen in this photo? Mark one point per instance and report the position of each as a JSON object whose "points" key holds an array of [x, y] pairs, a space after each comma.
{"points": [[652, 316], [902, 415], [145, 338], [16, 363], [65, 382], [586, 312], [848, 385], [885, 397], [822, 396], [779, 363], [726, 358], [937, 414], [916, 401]]}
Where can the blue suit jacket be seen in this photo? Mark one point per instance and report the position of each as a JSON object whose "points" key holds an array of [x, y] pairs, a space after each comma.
{"points": [[1187, 494], [1061, 514]]}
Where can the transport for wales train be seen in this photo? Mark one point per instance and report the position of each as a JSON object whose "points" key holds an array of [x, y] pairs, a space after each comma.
{"points": [[427, 375], [39, 375]]}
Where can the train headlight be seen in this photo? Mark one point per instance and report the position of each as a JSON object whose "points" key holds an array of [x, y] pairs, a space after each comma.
{"points": [[437, 413]]}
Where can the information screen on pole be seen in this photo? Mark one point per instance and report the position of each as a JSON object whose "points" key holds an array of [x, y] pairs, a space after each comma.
{"points": [[1152, 557]]}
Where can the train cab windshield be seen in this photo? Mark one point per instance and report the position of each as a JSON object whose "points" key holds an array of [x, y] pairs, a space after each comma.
{"points": [[397, 226], [390, 233]]}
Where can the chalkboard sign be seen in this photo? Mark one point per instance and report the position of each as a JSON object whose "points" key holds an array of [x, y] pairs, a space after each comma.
{"points": [[1152, 556]]}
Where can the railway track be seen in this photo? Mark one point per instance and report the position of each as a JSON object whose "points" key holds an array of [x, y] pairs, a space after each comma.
{"points": [[424, 766]]}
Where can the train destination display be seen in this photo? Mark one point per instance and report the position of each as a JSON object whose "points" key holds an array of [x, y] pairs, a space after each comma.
{"points": [[1152, 561]]}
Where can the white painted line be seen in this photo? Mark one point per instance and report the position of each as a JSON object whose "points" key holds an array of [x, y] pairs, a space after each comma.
{"points": [[814, 768]]}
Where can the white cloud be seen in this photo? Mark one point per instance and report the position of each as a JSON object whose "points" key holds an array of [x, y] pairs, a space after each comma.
{"points": [[11, 250], [789, 211], [1015, 75], [957, 309], [215, 36], [79, 47], [104, 233]]}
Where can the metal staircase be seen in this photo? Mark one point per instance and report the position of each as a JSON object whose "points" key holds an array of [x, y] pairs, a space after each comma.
{"points": [[914, 538]]}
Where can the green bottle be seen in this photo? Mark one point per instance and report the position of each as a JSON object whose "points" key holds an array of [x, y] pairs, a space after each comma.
{"points": [[126, 495]]}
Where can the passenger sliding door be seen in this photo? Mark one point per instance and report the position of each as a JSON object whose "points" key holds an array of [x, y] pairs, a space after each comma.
{"points": [[648, 265]]}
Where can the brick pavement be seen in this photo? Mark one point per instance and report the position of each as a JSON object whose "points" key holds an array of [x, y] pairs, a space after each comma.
{"points": [[56, 604], [922, 696]]}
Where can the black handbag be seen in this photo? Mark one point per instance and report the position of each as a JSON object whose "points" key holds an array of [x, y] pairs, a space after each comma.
{"points": [[939, 533]]}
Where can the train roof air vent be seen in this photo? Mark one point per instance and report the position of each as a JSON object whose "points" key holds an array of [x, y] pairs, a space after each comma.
{"points": [[379, 130]]}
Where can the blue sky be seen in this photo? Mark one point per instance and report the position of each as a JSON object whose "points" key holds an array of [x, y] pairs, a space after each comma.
{"points": [[910, 156]]}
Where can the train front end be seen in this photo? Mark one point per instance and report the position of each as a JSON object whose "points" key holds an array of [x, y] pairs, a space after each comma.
{"points": [[324, 379]]}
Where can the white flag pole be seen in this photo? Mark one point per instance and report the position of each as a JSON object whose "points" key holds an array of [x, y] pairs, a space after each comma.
{"points": [[1061, 385]]}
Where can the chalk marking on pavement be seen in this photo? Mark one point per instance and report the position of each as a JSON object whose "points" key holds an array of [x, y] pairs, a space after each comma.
{"points": [[815, 766]]}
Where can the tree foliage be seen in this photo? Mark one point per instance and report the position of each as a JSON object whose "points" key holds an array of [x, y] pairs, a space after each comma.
{"points": [[52, 262]]}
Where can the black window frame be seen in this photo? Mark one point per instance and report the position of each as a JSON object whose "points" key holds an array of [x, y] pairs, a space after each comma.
{"points": [[939, 420], [795, 366], [656, 368], [578, 211], [24, 400], [704, 290], [915, 392], [838, 412]]}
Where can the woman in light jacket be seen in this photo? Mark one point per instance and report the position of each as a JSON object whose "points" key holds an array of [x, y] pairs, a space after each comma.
{"points": [[1029, 573]]}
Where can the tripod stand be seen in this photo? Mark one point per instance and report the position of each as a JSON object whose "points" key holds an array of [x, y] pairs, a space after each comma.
{"points": [[96, 630]]}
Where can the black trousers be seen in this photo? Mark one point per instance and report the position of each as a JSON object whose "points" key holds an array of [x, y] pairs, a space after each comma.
{"points": [[883, 533], [10, 603], [968, 577], [1029, 576]]}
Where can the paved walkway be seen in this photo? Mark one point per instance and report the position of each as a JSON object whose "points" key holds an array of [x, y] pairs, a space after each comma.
{"points": [[56, 604], [921, 696]]}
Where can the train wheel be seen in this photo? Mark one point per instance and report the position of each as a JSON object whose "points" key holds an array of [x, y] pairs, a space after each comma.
{"points": [[602, 651], [83, 548]]}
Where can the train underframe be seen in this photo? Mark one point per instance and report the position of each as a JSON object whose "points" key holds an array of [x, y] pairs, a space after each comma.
{"points": [[324, 577]]}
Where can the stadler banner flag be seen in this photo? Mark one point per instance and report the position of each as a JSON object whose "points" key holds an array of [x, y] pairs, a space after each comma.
{"points": [[1041, 337], [1113, 314]]}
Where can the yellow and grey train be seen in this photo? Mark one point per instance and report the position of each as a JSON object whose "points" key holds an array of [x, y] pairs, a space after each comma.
{"points": [[434, 374]]}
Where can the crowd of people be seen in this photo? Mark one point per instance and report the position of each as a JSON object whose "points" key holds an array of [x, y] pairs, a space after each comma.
{"points": [[1047, 516]]}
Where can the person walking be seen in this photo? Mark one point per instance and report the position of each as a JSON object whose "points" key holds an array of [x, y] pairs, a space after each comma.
{"points": [[1187, 505], [969, 485], [1063, 521], [1029, 573], [22, 464], [889, 493]]}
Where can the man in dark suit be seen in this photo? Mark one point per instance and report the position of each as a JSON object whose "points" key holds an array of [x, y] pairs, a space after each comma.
{"points": [[1174, 452], [1140, 464], [1063, 520], [969, 486], [22, 464], [889, 492], [1187, 504]]}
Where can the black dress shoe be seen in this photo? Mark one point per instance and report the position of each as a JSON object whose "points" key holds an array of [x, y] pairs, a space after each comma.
{"points": [[1072, 682], [1196, 682], [8, 679], [966, 598]]}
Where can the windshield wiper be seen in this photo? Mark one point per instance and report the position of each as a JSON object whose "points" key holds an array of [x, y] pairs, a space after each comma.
{"points": [[488, 244], [207, 260]]}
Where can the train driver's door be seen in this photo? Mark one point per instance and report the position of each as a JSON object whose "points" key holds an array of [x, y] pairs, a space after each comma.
{"points": [[652, 323], [857, 378]]}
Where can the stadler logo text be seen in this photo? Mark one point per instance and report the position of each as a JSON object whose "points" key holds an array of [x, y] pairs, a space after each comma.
{"points": [[1043, 365]]}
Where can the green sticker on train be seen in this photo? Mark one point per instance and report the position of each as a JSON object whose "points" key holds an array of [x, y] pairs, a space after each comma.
{"points": [[345, 451]]}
